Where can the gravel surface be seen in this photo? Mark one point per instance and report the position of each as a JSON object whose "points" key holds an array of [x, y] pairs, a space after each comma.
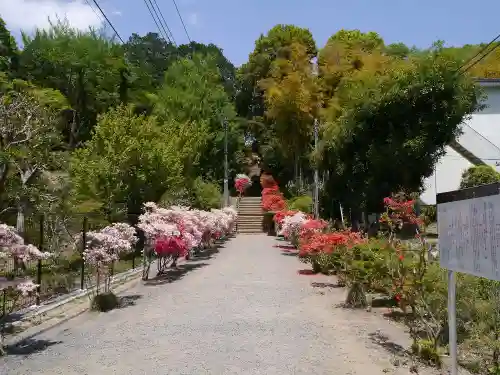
{"points": [[245, 310]]}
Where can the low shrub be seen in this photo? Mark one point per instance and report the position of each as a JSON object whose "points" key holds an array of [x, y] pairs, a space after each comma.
{"points": [[408, 274], [105, 302], [303, 203]]}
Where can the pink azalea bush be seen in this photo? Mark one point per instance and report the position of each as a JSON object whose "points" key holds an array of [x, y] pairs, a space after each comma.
{"points": [[176, 231], [104, 247], [242, 182], [12, 247]]}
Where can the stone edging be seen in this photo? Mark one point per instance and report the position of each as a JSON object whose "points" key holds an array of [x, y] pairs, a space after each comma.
{"points": [[50, 316]]}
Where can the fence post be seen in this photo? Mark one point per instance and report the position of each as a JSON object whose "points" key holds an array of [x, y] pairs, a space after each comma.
{"points": [[84, 244], [4, 303], [39, 265]]}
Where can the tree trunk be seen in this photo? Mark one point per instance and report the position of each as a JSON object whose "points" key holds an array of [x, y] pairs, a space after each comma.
{"points": [[4, 171], [18, 263], [355, 219], [296, 171]]}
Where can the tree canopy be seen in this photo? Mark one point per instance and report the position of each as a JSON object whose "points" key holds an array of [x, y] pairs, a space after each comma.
{"points": [[140, 119]]}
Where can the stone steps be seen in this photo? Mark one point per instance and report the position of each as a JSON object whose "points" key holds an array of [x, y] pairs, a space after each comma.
{"points": [[250, 215]]}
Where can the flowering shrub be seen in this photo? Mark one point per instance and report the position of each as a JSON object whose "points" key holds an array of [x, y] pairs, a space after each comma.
{"points": [[12, 247], [103, 248], [291, 225], [272, 199], [312, 227], [273, 203], [242, 182], [399, 212], [177, 231]]}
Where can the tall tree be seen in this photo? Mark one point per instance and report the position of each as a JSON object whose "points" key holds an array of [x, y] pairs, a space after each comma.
{"points": [[128, 161], [86, 67], [292, 99], [28, 135], [250, 101], [193, 93], [9, 53], [385, 138]]}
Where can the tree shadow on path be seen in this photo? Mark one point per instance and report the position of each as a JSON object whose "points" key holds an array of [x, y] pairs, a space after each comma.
{"points": [[325, 285], [207, 254], [29, 346], [174, 274], [382, 340], [128, 300]]}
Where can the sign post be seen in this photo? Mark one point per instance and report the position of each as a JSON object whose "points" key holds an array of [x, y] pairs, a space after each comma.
{"points": [[469, 239]]}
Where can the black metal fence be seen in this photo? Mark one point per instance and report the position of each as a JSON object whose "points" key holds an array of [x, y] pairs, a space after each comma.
{"points": [[63, 273]]}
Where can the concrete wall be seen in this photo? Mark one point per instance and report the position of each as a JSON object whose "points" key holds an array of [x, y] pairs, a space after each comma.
{"points": [[449, 169]]}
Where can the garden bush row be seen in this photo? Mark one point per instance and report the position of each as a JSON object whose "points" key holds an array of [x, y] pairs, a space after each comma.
{"points": [[403, 275], [168, 234]]}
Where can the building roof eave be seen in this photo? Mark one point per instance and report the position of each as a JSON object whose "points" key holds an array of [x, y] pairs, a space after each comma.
{"points": [[488, 82]]}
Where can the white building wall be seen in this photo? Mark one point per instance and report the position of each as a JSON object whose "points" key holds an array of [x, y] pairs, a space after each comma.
{"points": [[449, 169]]}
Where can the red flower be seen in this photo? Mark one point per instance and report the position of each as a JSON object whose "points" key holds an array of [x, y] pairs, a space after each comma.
{"points": [[172, 245]]}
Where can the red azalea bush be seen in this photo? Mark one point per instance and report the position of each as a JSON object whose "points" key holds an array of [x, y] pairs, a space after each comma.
{"points": [[272, 199], [170, 246], [324, 251], [399, 212], [280, 216], [242, 182], [273, 203], [312, 227]]}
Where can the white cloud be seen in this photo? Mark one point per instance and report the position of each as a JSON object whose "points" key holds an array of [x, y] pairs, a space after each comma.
{"points": [[193, 19], [116, 13], [30, 14]]}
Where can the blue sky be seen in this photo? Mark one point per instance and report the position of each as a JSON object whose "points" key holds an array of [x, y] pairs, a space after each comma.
{"points": [[234, 25]]}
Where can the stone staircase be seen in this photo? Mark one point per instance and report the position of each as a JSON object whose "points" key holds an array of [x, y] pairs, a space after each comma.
{"points": [[250, 215]]}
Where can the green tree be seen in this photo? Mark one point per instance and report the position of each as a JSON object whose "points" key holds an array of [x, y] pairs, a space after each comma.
{"points": [[9, 53], [129, 160], [384, 138], [355, 39], [207, 195], [151, 55], [292, 98], [277, 44], [479, 175], [193, 94], [28, 136], [399, 50], [87, 67]]}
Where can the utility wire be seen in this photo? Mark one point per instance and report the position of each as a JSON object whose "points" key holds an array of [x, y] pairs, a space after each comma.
{"points": [[164, 23], [108, 21], [163, 34], [95, 11], [182, 21], [460, 71]]}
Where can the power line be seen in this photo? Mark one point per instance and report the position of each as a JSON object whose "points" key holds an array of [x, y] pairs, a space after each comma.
{"points": [[479, 53], [164, 22], [163, 34], [95, 11], [108, 21], [182, 21]]}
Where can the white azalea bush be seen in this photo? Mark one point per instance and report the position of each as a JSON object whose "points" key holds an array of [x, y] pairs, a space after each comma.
{"points": [[171, 233], [291, 226], [13, 249], [102, 249]]}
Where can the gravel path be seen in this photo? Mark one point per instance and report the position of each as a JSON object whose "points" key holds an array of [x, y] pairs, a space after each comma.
{"points": [[246, 312]]}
